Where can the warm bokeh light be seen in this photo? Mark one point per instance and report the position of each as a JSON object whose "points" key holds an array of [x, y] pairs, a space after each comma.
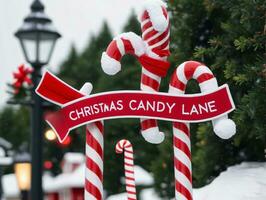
{"points": [[23, 175], [50, 135], [48, 164]]}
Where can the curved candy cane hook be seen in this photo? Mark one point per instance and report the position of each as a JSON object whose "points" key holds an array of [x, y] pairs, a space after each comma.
{"points": [[223, 127], [126, 147]]}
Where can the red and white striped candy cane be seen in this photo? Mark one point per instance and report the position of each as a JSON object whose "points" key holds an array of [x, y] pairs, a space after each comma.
{"points": [[152, 51], [126, 147], [94, 161], [155, 28], [94, 156], [56, 91], [223, 127]]}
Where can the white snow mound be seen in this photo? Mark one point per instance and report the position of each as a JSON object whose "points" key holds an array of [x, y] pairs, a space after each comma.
{"points": [[244, 181]]}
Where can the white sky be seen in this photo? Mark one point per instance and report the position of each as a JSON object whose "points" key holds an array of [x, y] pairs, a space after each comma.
{"points": [[74, 19]]}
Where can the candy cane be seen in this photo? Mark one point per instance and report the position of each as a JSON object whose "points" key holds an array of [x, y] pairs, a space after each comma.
{"points": [[223, 127], [155, 28], [151, 50], [54, 90], [94, 161], [94, 156], [126, 147]]}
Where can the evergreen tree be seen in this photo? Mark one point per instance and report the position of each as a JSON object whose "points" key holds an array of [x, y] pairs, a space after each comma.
{"points": [[67, 66], [237, 55], [229, 37], [15, 128], [77, 69], [15, 125]]}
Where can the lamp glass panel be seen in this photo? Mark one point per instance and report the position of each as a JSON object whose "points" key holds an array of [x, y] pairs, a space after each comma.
{"points": [[46, 46], [23, 175], [30, 49]]}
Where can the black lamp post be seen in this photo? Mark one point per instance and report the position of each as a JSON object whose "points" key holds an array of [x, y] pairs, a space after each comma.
{"points": [[22, 165], [37, 37]]}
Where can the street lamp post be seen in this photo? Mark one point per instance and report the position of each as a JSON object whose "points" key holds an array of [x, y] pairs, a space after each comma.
{"points": [[22, 165], [37, 37]]}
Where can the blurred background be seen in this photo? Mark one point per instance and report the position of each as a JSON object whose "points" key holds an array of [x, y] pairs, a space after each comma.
{"points": [[228, 36]]}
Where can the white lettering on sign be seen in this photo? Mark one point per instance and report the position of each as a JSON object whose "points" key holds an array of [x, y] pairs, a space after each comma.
{"points": [[134, 105], [71, 116], [155, 106], [96, 109], [198, 109], [141, 105], [170, 107]]}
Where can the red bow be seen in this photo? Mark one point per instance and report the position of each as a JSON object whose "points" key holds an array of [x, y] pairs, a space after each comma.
{"points": [[21, 76]]}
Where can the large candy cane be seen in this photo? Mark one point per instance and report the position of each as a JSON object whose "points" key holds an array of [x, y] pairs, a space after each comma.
{"points": [[94, 156], [152, 51], [126, 147], [155, 28], [223, 127], [94, 161], [54, 90]]}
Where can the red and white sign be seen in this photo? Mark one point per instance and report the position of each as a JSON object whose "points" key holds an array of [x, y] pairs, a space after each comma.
{"points": [[138, 104]]}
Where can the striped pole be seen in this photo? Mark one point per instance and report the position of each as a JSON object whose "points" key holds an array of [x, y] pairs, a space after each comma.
{"points": [[126, 147], [152, 51], [156, 38], [94, 161], [94, 156], [182, 148]]}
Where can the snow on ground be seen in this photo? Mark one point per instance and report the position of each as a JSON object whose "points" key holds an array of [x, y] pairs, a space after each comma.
{"points": [[122, 196], [149, 194], [246, 181]]}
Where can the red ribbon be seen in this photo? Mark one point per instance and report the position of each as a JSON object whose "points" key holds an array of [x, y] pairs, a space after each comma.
{"points": [[155, 66], [22, 76]]}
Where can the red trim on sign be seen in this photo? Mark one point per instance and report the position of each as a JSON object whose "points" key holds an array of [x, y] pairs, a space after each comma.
{"points": [[55, 90]]}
